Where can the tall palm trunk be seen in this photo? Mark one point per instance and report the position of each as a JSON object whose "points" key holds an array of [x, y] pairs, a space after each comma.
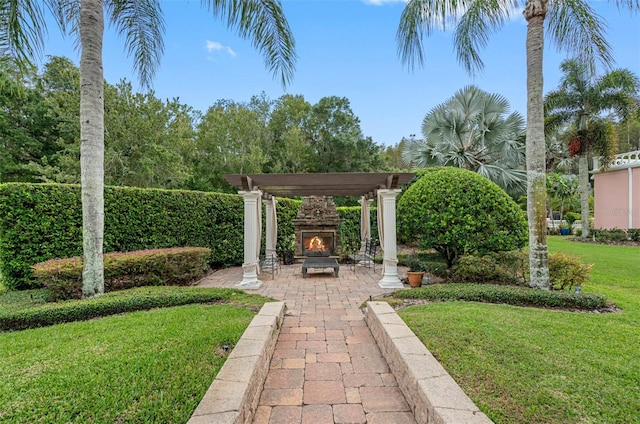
{"points": [[92, 145], [583, 182], [534, 13]]}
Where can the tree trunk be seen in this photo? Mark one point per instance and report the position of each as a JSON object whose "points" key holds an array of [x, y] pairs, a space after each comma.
{"points": [[534, 13], [583, 181], [92, 145]]}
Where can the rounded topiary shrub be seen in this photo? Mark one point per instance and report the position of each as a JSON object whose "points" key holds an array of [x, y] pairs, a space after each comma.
{"points": [[456, 211]]}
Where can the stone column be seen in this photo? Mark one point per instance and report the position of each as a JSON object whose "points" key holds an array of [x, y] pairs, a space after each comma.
{"points": [[390, 278], [251, 248], [271, 227]]}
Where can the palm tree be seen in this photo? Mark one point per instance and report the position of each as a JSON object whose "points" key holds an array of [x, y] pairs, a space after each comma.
{"points": [[581, 100], [573, 25], [22, 30], [472, 130]]}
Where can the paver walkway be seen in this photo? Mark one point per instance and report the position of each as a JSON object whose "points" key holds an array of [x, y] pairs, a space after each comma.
{"points": [[326, 367]]}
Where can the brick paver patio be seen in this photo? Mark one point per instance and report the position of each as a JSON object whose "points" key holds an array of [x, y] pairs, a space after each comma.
{"points": [[326, 368]]}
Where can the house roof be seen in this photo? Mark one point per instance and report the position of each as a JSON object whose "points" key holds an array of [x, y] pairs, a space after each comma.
{"points": [[331, 184]]}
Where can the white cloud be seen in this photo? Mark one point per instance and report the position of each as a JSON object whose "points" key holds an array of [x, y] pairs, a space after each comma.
{"points": [[213, 46]]}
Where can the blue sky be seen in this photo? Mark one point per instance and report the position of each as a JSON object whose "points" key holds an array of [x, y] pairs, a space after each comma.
{"points": [[346, 48]]}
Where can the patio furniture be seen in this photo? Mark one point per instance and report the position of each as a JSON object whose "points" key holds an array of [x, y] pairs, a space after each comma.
{"points": [[270, 263], [320, 262], [367, 257]]}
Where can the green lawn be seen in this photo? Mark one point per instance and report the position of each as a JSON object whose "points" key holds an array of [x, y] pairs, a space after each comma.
{"points": [[527, 365], [143, 367]]}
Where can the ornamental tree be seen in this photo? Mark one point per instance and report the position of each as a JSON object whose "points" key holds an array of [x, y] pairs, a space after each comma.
{"points": [[456, 212]]}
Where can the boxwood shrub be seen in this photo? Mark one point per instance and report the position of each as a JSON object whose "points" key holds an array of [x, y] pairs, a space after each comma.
{"points": [[511, 295], [177, 266], [141, 298]]}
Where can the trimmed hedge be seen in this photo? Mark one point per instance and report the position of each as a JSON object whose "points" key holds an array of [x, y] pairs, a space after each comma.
{"points": [[177, 266], [142, 298], [615, 235], [39, 222], [350, 227], [511, 295]]}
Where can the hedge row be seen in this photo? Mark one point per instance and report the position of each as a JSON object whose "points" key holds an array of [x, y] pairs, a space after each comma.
{"points": [[615, 235], [350, 228], [142, 298], [156, 267], [39, 222], [511, 295]]}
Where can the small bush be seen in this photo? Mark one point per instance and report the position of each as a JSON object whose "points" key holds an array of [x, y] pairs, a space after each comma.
{"points": [[457, 212], [633, 234], [498, 268], [565, 271], [606, 236], [571, 217], [429, 262], [177, 266], [116, 303], [511, 295]]}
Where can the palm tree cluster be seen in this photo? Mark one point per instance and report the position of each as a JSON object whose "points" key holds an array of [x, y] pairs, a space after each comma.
{"points": [[580, 102], [474, 130], [572, 25]]}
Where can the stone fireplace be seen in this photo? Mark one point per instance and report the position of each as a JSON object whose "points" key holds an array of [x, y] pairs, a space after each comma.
{"points": [[316, 227]]}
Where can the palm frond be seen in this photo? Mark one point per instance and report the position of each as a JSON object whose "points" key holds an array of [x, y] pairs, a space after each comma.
{"points": [[22, 30], [632, 5], [578, 29], [142, 25], [264, 24], [479, 21]]}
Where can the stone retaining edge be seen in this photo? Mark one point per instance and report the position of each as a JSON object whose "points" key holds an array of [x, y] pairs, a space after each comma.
{"points": [[434, 397], [234, 394]]}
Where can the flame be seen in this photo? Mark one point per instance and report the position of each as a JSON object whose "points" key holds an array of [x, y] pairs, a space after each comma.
{"points": [[316, 244]]}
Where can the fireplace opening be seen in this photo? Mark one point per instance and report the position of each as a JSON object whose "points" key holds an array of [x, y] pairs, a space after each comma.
{"points": [[318, 243]]}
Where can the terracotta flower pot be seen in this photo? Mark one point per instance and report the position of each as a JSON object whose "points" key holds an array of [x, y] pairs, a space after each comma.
{"points": [[415, 278]]}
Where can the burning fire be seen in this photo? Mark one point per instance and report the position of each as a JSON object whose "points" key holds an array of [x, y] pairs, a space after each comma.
{"points": [[316, 244]]}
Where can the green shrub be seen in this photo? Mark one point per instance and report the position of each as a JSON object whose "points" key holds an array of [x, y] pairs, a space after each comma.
{"points": [[486, 269], [178, 266], [457, 212], [142, 298], [350, 227], [613, 235], [428, 262], [571, 217], [511, 295], [633, 234], [565, 271], [39, 222]]}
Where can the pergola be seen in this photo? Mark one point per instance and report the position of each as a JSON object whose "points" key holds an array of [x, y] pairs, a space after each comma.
{"points": [[263, 188]]}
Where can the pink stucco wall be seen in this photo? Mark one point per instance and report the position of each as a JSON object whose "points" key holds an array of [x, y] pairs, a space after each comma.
{"points": [[611, 199]]}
